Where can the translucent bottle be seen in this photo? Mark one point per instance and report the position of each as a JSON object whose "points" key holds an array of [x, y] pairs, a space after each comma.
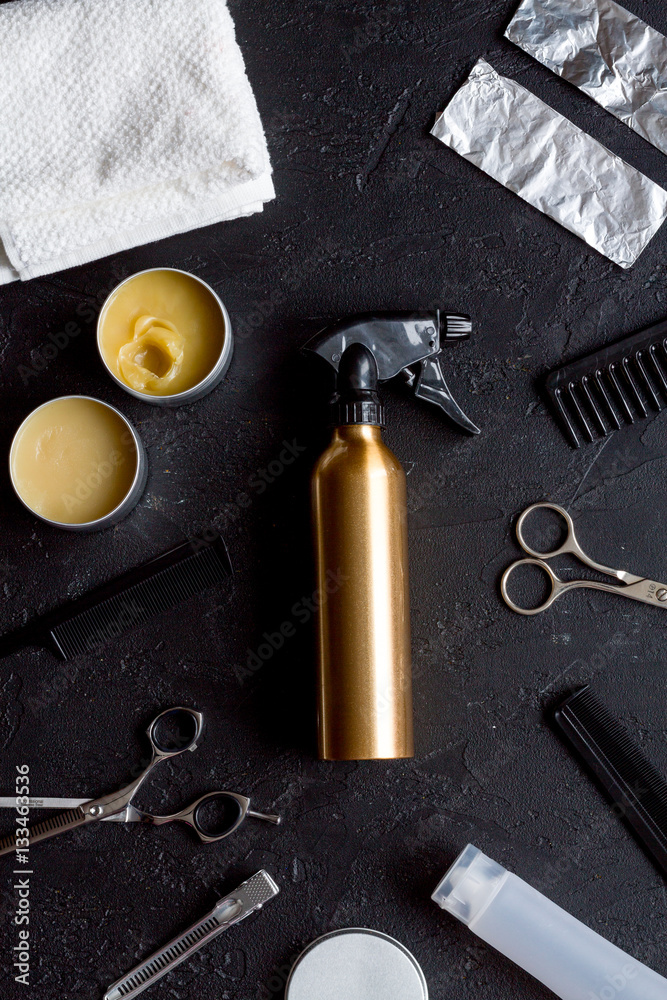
{"points": [[545, 940]]}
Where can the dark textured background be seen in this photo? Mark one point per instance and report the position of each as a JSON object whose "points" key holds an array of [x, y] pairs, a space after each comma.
{"points": [[371, 213]]}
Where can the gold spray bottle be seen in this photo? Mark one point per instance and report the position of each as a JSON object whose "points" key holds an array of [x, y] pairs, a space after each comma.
{"points": [[361, 543]]}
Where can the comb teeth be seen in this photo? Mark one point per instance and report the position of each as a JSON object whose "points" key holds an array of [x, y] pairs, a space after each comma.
{"points": [[618, 385], [630, 780], [118, 613]]}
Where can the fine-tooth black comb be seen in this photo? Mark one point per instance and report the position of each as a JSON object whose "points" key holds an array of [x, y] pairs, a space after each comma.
{"points": [[124, 603], [617, 385], [637, 789]]}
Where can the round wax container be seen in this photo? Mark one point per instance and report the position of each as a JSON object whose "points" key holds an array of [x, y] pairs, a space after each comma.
{"points": [[78, 463], [165, 337], [356, 964]]}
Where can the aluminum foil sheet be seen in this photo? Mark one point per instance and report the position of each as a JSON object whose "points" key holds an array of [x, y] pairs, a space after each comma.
{"points": [[606, 51], [549, 162]]}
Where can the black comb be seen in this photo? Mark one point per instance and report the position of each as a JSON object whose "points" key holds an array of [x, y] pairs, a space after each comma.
{"points": [[124, 603], [637, 789], [613, 387]]}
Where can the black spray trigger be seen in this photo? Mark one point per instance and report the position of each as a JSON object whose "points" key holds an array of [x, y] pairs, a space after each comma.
{"points": [[408, 344], [430, 385]]}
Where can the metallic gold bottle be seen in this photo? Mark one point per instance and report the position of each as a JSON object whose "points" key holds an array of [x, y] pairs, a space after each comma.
{"points": [[360, 522]]}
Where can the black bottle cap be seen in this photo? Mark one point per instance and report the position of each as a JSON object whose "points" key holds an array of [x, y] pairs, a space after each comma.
{"points": [[357, 400]]}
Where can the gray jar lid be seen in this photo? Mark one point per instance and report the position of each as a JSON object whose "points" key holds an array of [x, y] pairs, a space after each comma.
{"points": [[356, 964]]}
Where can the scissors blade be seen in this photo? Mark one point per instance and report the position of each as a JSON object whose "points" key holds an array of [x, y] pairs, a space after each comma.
{"points": [[9, 802], [51, 827]]}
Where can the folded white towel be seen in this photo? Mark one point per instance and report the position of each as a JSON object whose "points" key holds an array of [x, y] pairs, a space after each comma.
{"points": [[121, 122]]}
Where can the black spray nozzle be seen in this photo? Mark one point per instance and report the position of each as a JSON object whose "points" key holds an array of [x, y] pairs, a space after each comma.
{"points": [[400, 343], [358, 372], [357, 400]]}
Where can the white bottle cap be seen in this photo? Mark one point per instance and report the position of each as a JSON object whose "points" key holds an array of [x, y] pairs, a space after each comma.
{"points": [[469, 885]]}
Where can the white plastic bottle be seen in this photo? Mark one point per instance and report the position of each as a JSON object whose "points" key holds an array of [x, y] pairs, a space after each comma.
{"points": [[545, 940]]}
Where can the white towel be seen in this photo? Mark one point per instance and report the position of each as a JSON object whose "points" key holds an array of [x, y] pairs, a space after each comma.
{"points": [[121, 122]]}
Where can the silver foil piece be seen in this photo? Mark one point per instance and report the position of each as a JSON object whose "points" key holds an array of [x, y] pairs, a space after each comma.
{"points": [[609, 53], [548, 161]]}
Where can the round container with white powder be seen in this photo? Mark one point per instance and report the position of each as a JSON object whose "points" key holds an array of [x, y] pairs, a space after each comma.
{"points": [[356, 964]]}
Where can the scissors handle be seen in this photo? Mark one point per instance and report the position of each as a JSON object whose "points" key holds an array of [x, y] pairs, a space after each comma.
{"points": [[233, 809], [646, 591], [171, 733], [569, 547], [557, 586], [184, 733], [570, 538]]}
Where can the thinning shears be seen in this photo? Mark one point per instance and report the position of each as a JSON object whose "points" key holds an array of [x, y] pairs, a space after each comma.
{"points": [[638, 588], [170, 734]]}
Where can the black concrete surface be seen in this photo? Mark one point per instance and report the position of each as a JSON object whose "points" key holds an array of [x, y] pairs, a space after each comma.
{"points": [[371, 213]]}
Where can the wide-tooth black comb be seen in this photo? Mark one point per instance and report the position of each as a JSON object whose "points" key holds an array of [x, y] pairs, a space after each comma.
{"points": [[633, 784], [615, 386], [124, 603]]}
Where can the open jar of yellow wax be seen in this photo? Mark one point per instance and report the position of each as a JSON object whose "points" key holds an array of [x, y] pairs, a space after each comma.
{"points": [[165, 337], [78, 463]]}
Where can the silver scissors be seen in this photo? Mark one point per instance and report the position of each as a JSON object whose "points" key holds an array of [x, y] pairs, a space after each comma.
{"points": [[170, 734], [636, 587]]}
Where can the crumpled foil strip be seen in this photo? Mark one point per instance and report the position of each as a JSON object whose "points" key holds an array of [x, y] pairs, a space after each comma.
{"points": [[548, 161], [606, 51]]}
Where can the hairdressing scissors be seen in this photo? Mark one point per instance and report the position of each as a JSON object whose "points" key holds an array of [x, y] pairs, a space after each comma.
{"points": [[636, 587], [170, 734]]}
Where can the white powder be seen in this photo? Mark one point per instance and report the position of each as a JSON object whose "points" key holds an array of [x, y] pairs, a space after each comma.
{"points": [[356, 964]]}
